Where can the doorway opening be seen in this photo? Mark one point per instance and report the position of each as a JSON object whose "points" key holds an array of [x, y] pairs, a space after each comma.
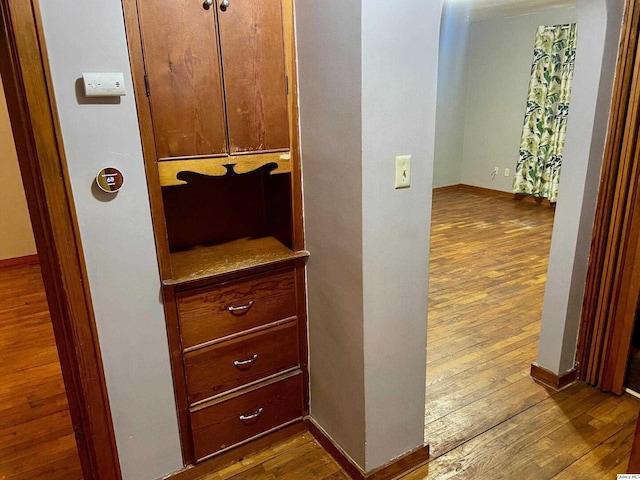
{"points": [[489, 249], [37, 440]]}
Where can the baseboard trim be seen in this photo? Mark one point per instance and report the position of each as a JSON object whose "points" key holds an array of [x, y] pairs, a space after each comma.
{"points": [[26, 260], [552, 380], [235, 455], [495, 193], [394, 469], [449, 188]]}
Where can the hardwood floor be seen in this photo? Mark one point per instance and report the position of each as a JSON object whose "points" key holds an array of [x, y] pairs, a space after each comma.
{"points": [[36, 437], [488, 269], [485, 417]]}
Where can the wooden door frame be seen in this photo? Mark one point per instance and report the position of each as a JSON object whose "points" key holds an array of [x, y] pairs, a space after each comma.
{"points": [[24, 68], [613, 276]]}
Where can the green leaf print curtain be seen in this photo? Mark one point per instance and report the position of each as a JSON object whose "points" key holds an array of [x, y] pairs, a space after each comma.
{"points": [[545, 121]]}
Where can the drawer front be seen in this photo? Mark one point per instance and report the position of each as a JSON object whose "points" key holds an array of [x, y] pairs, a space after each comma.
{"points": [[224, 309], [227, 365], [245, 416]]}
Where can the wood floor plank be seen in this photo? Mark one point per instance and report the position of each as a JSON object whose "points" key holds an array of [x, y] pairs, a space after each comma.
{"points": [[501, 451], [485, 418], [36, 436], [604, 461]]}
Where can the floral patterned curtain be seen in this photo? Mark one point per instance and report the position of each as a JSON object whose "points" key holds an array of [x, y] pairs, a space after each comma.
{"points": [[545, 121]]}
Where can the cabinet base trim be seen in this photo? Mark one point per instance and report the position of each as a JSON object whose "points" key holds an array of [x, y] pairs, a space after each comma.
{"points": [[396, 468], [223, 459], [552, 380]]}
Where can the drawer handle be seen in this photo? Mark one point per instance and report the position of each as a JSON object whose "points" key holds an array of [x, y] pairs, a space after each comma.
{"points": [[252, 417], [241, 309], [246, 363]]}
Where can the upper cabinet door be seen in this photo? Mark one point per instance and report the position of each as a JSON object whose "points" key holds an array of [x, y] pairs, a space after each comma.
{"points": [[182, 63], [253, 61]]}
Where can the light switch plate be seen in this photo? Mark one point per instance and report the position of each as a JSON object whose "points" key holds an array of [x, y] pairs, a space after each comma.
{"points": [[403, 171]]}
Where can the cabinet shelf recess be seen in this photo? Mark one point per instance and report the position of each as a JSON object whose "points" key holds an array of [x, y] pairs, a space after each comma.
{"points": [[237, 255], [169, 169]]}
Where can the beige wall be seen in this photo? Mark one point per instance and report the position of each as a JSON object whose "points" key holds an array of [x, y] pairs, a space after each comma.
{"points": [[16, 236]]}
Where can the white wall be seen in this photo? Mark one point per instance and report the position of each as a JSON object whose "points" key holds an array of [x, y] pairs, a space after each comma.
{"points": [[331, 127], [16, 235], [494, 87], [575, 211], [88, 35], [365, 97], [399, 84], [500, 56], [452, 95]]}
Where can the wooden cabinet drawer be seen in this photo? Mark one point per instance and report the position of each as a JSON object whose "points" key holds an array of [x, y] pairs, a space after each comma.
{"points": [[244, 416], [227, 365], [220, 310]]}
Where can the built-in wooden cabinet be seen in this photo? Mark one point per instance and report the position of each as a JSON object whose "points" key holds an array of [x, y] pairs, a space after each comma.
{"points": [[216, 93], [241, 355], [218, 77]]}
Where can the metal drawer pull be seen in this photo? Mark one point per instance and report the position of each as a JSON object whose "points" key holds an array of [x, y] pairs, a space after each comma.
{"points": [[253, 416], [224, 4], [240, 310], [207, 4], [246, 363]]}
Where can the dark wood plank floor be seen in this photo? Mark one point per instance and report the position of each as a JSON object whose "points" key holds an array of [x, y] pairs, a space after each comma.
{"points": [[36, 437], [485, 417], [488, 269]]}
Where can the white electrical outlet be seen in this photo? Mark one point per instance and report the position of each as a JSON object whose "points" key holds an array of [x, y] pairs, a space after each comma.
{"points": [[403, 171], [506, 172]]}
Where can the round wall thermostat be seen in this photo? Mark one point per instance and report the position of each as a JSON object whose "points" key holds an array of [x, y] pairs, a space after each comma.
{"points": [[110, 180]]}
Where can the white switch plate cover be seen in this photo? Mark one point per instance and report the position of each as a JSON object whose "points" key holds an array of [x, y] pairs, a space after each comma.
{"points": [[103, 84], [403, 171]]}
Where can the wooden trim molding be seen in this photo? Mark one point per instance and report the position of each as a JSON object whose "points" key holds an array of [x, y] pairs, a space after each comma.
{"points": [[613, 281], [552, 380], [494, 193], [394, 469], [27, 82], [12, 262]]}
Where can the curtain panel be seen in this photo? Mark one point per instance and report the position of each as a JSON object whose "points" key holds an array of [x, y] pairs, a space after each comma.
{"points": [[545, 122]]}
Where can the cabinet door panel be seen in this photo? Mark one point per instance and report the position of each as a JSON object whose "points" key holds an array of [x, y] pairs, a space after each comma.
{"points": [[252, 43], [182, 63]]}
